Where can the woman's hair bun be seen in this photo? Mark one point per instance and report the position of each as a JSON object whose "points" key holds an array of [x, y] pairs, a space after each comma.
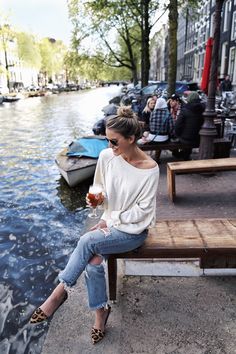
{"points": [[125, 112], [125, 123]]}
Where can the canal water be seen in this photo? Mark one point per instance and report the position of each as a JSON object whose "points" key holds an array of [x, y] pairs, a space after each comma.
{"points": [[41, 218]]}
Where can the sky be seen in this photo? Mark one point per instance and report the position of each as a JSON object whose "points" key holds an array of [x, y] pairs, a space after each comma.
{"points": [[45, 18]]}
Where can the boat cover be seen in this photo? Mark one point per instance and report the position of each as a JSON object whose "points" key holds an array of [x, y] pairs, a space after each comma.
{"points": [[88, 147]]}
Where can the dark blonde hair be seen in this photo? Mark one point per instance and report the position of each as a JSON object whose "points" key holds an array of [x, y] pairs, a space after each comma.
{"points": [[125, 123], [146, 108]]}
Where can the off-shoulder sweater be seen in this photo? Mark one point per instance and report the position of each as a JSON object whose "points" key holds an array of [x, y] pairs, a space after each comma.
{"points": [[130, 204]]}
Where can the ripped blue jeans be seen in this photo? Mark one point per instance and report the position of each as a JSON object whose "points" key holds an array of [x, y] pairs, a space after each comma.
{"points": [[93, 243]]}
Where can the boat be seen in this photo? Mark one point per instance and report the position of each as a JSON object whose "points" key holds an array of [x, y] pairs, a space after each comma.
{"points": [[75, 169], [10, 98], [1, 99], [78, 162]]}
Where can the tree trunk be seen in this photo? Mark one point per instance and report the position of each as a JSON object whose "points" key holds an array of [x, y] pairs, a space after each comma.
{"points": [[145, 32], [7, 69], [173, 26], [135, 75]]}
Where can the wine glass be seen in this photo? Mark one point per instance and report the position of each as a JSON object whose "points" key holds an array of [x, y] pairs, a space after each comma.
{"points": [[95, 197]]}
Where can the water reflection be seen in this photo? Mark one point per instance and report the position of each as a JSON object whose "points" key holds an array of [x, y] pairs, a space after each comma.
{"points": [[41, 218], [73, 198]]}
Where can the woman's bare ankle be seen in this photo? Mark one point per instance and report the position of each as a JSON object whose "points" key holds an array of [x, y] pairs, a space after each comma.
{"points": [[53, 301], [59, 292], [100, 318]]}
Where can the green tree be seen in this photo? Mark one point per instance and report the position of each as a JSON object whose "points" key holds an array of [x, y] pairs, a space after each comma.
{"points": [[144, 12], [52, 57], [104, 24], [71, 65], [7, 36], [173, 7], [28, 49], [116, 24]]}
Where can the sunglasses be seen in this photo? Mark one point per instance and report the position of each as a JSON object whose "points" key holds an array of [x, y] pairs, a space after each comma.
{"points": [[113, 142]]}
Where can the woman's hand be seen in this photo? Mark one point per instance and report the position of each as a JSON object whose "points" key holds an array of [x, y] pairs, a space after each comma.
{"points": [[100, 225]]}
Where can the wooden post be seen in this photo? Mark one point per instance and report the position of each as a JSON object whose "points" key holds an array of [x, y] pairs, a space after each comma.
{"points": [[112, 277], [170, 183]]}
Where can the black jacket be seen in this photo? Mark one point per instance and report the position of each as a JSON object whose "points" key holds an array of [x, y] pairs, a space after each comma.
{"points": [[145, 118], [226, 85], [189, 122]]}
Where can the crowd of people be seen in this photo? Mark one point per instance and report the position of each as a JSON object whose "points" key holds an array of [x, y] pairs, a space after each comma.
{"points": [[164, 119], [172, 119]]}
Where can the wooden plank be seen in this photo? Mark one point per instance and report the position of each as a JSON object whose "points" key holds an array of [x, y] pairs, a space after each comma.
{"points": [[203, 165], [199, 236], [171, 145], [196, 166], [213, 241], [165, 146], [112, 280], [170, 183], [218, 261]]}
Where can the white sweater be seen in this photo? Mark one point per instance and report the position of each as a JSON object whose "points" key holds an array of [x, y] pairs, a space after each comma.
{"points": [[130, 204]]}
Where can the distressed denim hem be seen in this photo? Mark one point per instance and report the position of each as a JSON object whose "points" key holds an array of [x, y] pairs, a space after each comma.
{"points": [[68, 288], [94, 308]]}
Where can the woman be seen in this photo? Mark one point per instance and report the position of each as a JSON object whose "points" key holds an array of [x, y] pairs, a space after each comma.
{"points": [[188, 124], [147, 112], [161, 124], [129, 178], [174, 105]]}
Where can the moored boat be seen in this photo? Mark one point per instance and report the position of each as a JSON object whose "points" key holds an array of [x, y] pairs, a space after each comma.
{"points": [[75, 169], [78, 162], [10, 98]]}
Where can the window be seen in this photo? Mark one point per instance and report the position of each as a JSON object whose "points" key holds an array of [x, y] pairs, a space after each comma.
{"points": [[212, 26], [223, 59], [226, 15], [232, 68], [233, 29]]}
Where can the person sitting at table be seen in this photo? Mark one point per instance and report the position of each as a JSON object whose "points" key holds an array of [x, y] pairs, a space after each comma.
{"points": [[188, 124], [161, 124], [148, 109], [174, 105]]}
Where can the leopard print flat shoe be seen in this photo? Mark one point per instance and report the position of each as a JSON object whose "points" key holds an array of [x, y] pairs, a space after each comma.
{"points": [[97, 334], [39, 316]]}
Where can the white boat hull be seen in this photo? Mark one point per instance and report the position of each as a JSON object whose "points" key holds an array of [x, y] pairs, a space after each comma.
{"points": [[75, 169], [75, 177]]}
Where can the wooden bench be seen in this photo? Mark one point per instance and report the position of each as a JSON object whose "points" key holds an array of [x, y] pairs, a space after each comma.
{"points": [[166, 145], [196, 166], [213, 241], [221, 147]]}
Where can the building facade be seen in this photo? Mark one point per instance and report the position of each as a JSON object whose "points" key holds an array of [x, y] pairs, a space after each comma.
{"points": [[14, 74], [198, 28], [194, 29], [158, 56]]}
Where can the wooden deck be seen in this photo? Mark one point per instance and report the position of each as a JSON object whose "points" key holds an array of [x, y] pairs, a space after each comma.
{"points": [[212, 241]]}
